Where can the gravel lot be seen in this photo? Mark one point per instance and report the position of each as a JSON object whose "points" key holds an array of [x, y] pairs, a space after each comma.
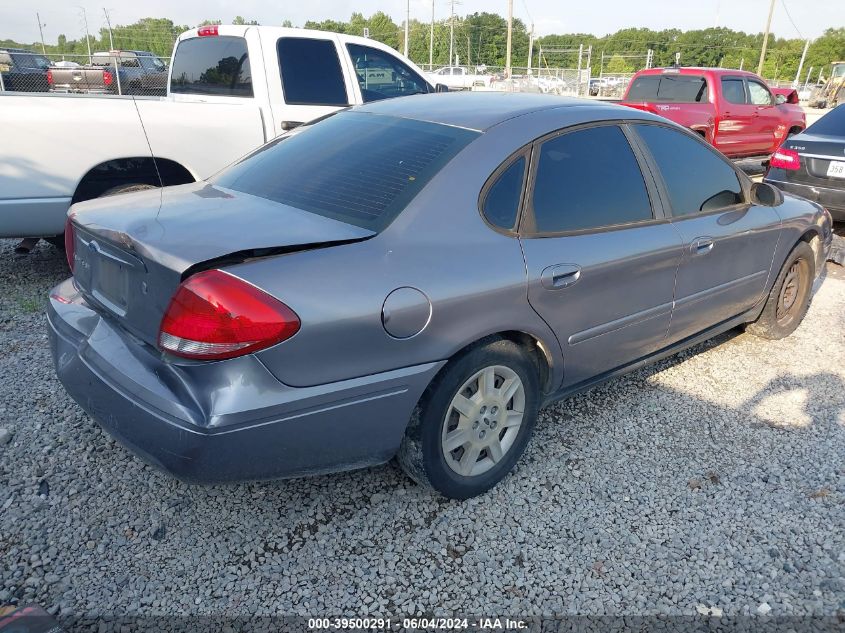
{"points": [[715, 479]]}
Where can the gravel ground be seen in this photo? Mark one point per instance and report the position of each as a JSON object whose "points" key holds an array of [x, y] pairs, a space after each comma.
{"points": [[713, 480]]}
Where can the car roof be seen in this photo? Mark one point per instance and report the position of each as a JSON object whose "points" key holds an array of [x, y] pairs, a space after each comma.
{"points": [[482, 110], [694, 70]]}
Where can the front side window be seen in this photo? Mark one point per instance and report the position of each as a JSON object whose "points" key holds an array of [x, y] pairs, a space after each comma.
{"points": [[733, 90], [383, 76], [668, 89], [311, 73], [501, 204], [697, 179], [217, 65], [356, 167], [588, 179], [759, 94]]}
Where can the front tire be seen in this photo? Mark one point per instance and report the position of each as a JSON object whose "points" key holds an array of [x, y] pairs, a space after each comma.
{"points": [[789, 299], [473, 422]]}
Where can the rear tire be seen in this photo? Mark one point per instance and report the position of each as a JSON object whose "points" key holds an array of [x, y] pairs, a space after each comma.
{"points": [[789, 298], [473, 422]]}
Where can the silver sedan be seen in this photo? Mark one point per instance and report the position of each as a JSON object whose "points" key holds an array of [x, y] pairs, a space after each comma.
{"points": [[415, 278]]}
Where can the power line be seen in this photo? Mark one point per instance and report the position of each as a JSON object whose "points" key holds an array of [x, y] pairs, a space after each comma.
{"points": [[783, 3]]}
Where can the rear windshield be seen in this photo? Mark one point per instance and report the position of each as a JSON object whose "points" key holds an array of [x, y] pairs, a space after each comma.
{"points": [[359, 168], [668, 88], [831, 124], [217, 65]]}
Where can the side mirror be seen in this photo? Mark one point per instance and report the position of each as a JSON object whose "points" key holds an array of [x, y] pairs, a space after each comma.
{"points": [[766, 195], [441, 88], [780, 99]]}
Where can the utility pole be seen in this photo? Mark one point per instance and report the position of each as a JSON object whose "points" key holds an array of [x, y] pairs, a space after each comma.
{"points": [[40, 30], [87, 37], [452, 33], [510, 40], [108, 23], [530, 48], [407, 24], [797, 81], [431, 41], [766, 38]]}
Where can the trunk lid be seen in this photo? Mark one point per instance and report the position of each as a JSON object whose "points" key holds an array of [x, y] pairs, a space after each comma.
{"points": [[816, 153], [132, 251]]}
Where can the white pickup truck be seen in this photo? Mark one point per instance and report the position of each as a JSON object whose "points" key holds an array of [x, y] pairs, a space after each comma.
{"points": [[230, 89], [459, 78]]}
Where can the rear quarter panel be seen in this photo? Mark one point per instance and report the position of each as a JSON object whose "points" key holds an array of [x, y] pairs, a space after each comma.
{"points": [[800, 218]]}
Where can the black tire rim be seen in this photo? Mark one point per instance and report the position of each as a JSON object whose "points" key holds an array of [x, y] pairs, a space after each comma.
{"points": [[792, 292]]}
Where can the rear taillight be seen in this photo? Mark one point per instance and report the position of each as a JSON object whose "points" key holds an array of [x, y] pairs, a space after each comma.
{"points": [[50, 77], [108, 78], [205, 31], [69, 241], [785, 159], [214, 315]]}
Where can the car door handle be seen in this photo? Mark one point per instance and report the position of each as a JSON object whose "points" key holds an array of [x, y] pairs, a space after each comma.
{"points": [[701, 246], [560, 276]]}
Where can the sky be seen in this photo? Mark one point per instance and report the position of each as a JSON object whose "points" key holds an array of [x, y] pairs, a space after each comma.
{"points": [[810, 17]]}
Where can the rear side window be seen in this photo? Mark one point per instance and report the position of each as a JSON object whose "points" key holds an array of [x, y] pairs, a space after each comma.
{"points": [[382, 76], [31, 61], [832, 123], [588, 179], [501, 203], [733, 90], [212, 66], [311, 73], [698, 180], [668, 88], [359, 168]]}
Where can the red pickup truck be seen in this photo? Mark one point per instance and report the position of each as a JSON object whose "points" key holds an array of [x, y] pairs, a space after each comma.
{"points": [[733, 109]]}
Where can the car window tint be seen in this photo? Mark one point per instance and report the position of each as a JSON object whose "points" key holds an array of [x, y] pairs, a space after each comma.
{"points": [[502, 202], [831, 124], [588, 179], [359, 168], [697, 179], [668, 88], [759, 94], [212, 66], [734, 90], [319, 81], [382, 76]]}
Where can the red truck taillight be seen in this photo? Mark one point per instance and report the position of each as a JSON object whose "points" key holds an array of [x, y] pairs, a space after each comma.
{"points": [[108, 78], [215, 315], [785, 159], [50, 77]]}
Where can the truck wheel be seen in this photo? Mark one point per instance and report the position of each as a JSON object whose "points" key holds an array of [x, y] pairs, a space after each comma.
{"points": [[789, 298], [127, 188], [473, 422]]}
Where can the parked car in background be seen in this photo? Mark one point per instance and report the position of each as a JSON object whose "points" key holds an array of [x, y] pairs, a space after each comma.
{"points": [[22, 70], [114, 72], [231, 89], [459, 78], [812, 164], [376, 285], [733, 110]]}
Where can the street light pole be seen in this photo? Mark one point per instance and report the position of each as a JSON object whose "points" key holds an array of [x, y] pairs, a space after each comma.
{"points": [[510, 40], [766, 38], [431, 41], [407, 24]]}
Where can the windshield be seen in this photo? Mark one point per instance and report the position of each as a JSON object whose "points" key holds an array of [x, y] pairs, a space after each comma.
{"points": [[359, 168], [831, 124]]}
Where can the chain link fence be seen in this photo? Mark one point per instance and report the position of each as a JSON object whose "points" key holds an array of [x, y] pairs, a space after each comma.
{"points": [[136, 73]]}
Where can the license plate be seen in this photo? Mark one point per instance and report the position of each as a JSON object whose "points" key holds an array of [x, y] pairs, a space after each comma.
{"points": [[111, 284], [836, 169]]}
